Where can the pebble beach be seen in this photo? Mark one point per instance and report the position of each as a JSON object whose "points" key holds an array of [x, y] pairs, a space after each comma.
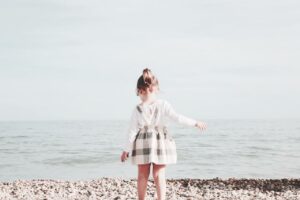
{"points": [[117, 188]]}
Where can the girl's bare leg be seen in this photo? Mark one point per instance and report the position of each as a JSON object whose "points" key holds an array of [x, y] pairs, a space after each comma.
{"points": [[160, 180], [143, 175]]}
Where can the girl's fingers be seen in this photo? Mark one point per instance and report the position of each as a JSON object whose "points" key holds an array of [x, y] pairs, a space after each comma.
{"points": [[124, 156], [202, 126]]}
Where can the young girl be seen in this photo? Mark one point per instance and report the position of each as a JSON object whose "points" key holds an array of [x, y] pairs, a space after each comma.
{"points": [[148, 140]]}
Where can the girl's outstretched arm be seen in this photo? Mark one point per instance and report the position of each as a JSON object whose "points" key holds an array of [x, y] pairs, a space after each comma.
{"points": [[179, 118]]}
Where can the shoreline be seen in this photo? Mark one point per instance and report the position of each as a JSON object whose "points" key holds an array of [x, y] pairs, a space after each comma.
{"points": [[183, 188]]}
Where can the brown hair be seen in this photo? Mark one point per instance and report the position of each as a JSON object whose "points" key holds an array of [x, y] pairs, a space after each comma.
{"points": [[146, 80]]}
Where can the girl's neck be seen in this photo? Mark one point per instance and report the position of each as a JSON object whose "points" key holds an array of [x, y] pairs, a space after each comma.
{"points": [[149, 101]]}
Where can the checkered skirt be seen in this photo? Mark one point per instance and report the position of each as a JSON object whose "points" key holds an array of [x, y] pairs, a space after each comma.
{"points": [[154, 145]]}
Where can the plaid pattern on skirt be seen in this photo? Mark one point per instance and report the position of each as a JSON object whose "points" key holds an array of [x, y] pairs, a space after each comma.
{"points": [[154, 144]]}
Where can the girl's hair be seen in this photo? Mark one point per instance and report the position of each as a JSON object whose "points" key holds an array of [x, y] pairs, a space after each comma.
{"points": [[146, 80]]}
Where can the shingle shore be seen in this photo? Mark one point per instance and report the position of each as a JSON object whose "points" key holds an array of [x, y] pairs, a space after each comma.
{"points": [[117, 188]]}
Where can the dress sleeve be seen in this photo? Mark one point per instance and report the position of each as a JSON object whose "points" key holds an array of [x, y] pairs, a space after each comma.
{"points": [[132, 130], [177, 117]]}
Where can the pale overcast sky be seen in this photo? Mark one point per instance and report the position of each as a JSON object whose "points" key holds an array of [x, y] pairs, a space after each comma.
{"points": [[71, 59]]}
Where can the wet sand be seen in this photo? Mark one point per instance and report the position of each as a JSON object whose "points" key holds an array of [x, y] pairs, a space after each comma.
{"points": [[116, 188]]}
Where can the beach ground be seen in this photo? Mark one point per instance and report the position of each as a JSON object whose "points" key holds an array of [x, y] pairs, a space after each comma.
{"points": [[117, 188]]}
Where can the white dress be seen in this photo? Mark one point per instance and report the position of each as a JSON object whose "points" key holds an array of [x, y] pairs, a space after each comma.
{"points": [[148, 139]]}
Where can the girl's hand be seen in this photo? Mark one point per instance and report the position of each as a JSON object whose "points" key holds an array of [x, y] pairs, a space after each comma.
{"points": [[124, 156], [201, 125]]}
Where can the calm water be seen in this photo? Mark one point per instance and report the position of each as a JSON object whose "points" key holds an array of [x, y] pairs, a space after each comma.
{"points": [[91, 149]]}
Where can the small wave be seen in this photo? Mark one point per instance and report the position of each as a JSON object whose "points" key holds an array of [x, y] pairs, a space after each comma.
{"points": [[249, 155], [73, 161], [17, 136], [13, 137], [5, 166], [260, 148]]}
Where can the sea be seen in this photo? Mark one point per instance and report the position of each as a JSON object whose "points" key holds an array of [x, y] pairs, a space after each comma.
{"points": [[86, 150]]}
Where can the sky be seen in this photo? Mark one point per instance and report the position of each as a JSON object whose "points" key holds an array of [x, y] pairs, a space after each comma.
{"points": [[80, 60]]}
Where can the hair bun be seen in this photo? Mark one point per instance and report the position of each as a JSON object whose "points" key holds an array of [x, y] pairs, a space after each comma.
{"points": [[146, 81], [147, 75], [146, 70]]}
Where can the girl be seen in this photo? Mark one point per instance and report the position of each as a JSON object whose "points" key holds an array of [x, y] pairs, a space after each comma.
{"points": [[148, 141]]}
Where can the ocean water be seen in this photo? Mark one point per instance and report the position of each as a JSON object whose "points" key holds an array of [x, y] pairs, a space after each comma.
{"points": [[73, 150]]}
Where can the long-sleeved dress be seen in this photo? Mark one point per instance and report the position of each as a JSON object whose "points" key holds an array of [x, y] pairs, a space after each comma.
{"points": [[148, 139]]}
